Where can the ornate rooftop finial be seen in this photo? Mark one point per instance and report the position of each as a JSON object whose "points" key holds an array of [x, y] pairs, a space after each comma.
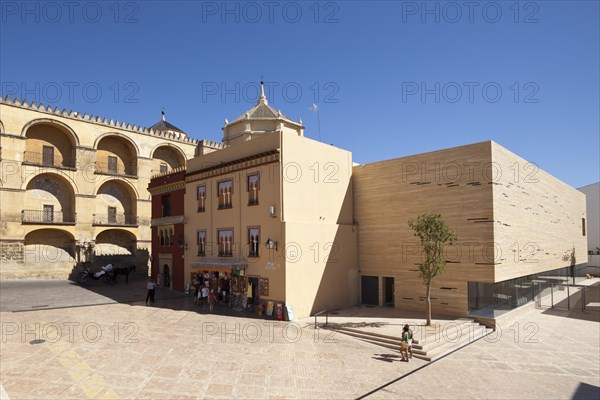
{"points": [[163, 113], [262, 99]]}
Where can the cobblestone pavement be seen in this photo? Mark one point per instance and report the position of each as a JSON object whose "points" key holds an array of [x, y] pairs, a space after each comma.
{"points": [[128, 350]]}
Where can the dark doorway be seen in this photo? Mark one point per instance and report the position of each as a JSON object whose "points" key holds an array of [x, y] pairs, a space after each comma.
{"points": [[388, 291], [370, 290], [166, 276]]}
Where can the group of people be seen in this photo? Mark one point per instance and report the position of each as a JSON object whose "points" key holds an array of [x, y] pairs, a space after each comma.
{"points": [[208, 288]]}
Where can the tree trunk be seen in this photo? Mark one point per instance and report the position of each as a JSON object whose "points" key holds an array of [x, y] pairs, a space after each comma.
{"points": [[428, 304]]}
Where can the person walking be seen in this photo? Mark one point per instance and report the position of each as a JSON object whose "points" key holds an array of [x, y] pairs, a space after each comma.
{"points": [[151, 286], [406, 343]]}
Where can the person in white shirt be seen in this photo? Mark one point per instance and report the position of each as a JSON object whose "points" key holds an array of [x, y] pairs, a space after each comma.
{"points": [[151, 286], [204, 291], [106, 269]]}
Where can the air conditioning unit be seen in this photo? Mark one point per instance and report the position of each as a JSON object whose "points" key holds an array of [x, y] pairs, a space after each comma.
{"points": [[272, 211]]}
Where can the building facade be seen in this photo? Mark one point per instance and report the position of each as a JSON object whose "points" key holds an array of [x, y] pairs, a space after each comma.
{"points": [[517, 227], [271, 212], [73, 188]]}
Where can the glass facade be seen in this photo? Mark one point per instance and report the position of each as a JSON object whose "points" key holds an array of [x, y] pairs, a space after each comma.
{"points": [[494, 299]]}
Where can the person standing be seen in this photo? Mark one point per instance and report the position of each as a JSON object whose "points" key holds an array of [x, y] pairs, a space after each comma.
{"points": [[151, 291], [211, 300], [204, 299]]}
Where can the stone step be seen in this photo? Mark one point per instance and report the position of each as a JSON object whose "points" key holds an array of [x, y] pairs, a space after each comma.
{"points": [[416, 353], [446, 348], [395, 339], [438, 341], [378, 339], [455, 334]]}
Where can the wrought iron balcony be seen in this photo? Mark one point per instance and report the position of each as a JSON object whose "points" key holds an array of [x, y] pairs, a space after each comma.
{"points": [[106, 168], [47, 217], [55, 160], [115, 219]]}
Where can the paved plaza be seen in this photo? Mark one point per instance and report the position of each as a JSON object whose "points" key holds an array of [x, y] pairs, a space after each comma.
{"points": [[121, 349]]}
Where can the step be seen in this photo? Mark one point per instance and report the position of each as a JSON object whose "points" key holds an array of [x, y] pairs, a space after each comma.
{"points": [[436, 338], [432, 349], [447, 348], [365, 333], [416, 353]]}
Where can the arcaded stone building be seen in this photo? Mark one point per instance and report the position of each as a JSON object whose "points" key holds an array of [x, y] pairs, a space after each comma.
{"points": [[73, 188]]}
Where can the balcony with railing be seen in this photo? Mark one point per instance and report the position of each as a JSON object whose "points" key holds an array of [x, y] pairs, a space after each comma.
{"points": [[47, 217], [47, 160], [115, 219], [110, 168]]}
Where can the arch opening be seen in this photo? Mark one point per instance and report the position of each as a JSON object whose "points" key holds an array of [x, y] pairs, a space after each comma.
{"points": [[49, 199], [166, 158], [50, 145], [113, 242], [115, 204], [49, 247], [116, 156]]}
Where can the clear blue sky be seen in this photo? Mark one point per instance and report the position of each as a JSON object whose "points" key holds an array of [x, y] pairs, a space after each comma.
{"points": [[390, 78]]}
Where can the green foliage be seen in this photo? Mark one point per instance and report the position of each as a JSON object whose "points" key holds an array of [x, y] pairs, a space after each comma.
{"points": [[434, 235]]}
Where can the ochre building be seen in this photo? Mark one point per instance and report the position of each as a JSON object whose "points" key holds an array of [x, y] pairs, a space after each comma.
{"points": [[73, 188], [271, 212]]}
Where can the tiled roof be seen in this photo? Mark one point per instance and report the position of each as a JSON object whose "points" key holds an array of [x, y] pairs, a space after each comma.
{"points": [[263, 111], [163, 125]]}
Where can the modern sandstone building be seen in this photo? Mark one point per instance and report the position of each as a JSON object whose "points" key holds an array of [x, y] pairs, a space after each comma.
{"points": [[73, 188], [517, 227]]}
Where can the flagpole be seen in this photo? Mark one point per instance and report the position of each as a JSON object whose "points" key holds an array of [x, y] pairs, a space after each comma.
{"points": [[315, 108]]}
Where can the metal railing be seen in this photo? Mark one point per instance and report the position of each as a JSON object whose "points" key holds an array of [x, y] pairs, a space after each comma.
{"points": [[47, 217], [115, 219], [326, 312], [561, 295], [106, 168], [56, 160]]}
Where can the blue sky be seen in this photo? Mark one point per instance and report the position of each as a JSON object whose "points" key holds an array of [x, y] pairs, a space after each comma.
{"points": [[390, 78]]}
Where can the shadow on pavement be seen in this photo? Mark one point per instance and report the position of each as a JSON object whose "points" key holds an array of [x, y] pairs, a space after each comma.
{"points": [[32, 295]]}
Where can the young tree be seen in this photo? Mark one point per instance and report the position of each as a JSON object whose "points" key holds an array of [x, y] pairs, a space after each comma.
{"points": [[434, 235]]}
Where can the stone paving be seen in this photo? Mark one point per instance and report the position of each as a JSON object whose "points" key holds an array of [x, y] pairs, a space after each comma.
{"points": [[170, 350]]}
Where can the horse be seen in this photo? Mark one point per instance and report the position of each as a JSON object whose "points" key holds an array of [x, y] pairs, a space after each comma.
{"points": [[124, 271]]}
